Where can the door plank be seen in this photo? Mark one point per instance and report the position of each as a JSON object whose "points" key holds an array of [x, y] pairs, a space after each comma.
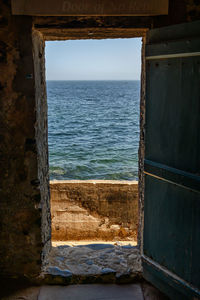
{"points": [[171, 239]]}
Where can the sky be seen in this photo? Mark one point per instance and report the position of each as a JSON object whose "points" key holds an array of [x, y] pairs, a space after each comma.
{"points": [[110, 59]]}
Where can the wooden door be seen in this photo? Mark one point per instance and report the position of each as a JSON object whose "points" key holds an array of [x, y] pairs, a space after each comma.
{"points": [[171, 236]]}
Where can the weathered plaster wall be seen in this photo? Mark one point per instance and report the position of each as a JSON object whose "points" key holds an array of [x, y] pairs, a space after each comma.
{"points": [[64, 28], [21, 197], [41, 134], [98, 210]]}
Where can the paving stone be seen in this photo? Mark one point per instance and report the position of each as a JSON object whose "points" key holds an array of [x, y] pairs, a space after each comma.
{"points": [[128, 247], [92, 292], [58, 272], [63, 247], [60, 258], [102, 256], [107, 271], [109, 251], [119, 252], [94, 259], [99, 246], [89, 262], [92, 270]]}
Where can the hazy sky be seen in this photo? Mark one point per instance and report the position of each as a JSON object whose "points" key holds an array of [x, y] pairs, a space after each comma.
{"points": [[118, 59]]}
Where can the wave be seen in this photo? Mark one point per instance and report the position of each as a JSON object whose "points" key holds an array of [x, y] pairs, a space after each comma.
{"points": [[85, 173], [93, 129]]}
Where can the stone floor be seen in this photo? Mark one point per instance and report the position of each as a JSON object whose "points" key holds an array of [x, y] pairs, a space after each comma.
{"points": [[138, 291], [98, 259], [92, 292], [72, 263]]}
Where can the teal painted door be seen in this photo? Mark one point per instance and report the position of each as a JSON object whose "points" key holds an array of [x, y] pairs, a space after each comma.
{"points": [[171, 236]]}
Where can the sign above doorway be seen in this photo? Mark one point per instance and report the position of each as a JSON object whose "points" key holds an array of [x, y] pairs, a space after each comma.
{"points": [[90, 7]]}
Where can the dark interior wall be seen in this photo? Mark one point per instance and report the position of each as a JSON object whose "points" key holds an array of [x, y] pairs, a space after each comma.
{"points": [[41, 136], [63, 28], [21, 193]]}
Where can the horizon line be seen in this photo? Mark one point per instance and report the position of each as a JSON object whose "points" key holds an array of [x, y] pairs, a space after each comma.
{"points": [[92, 79]]}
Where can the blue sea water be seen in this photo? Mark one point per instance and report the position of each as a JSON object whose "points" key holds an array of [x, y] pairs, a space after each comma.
{"points": [[93, 129]]}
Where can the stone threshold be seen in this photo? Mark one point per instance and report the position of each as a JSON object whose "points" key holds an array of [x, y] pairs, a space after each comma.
{"points": [[110, 278], [92, 263]]}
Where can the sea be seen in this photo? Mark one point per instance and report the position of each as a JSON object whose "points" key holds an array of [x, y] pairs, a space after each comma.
{"points": [[93, 129]]}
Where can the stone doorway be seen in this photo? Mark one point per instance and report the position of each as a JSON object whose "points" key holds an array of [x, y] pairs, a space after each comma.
{"points": [[94, 230]]}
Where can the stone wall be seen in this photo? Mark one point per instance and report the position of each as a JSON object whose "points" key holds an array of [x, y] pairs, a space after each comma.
{"points": [[97, 210], [23, 192], [41, 137]]}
